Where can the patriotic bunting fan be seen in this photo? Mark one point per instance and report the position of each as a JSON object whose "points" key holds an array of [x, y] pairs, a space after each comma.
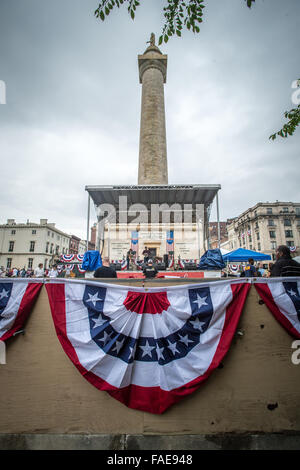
{"points": [[147, 349]]}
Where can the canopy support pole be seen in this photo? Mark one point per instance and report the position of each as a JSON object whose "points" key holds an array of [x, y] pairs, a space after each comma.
{"points": [[218, 219], [88, 223]]}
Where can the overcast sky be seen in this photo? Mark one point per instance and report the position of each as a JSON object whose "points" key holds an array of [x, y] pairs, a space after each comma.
{"points": [[73, 99]]}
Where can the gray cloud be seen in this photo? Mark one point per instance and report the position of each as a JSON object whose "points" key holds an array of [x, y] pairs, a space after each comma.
{"points": [[73, 104]]}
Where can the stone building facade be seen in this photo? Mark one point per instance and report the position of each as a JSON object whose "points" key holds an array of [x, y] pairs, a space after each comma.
{"points": [[265, 226], [28, 244], [214, 236]]}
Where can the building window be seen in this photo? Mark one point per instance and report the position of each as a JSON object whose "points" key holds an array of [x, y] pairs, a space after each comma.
{"points": [[11, 246], [56, 249], [8, 263], [272, 234], [285, 209], [48, 233], [271, 222], [250, 239], [269, 210], [31, 248], [30, 263], [297, 210], [47, 247], [258, 246], [287, 223], [289, 233], [257, 236], [250, 247], [256, 224], [273, 245], [33, 232], [290, 243], [13, 232], [52, 235], [51, 248]]}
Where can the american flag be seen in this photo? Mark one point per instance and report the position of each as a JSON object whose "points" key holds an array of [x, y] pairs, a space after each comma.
{"points": [[170, 241], [135, 242], [148, 348]]}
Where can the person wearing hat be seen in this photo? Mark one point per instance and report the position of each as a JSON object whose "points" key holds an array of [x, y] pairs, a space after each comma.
{"points": [[150, 270]]}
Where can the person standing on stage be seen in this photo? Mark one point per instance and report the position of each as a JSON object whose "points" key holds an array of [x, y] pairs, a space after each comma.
{"points": [[146, 254]]}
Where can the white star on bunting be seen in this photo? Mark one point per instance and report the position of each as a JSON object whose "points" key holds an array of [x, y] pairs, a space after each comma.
{"points": [[93, 298], [200, 301], [159, 352], [119, 345], [147, 349], [106, 338], [132, 352], [4, 293], [292, 293], [98, 321], [172, 346], [185, 339], [198, 324]]}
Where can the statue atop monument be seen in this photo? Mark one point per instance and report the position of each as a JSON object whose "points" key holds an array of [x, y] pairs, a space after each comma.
{"points": [[152, 40]]}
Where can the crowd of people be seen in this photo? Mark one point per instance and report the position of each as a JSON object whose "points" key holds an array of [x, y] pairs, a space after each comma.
{"points": [[39, 271], [284, 266]]}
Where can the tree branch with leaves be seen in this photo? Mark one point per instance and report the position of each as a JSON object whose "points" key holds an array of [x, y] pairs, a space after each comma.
{"points": [[178, 14], [182, 15], [293, 117]]}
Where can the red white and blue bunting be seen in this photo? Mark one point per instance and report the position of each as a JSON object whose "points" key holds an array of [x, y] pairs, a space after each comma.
{"points": [[17, 298], [67, 258], [148, 349], [282, 297]]}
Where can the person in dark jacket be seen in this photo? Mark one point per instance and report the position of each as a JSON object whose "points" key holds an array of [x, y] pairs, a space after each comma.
{"points": [[250, 269], [150, 270], [285, 265], [105, 271]]}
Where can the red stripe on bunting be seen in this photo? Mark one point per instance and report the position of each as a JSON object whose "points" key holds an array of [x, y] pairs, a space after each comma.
{"points": [[149, 399], [266, 295], [25, 308], [150, 302], [56, 294]]}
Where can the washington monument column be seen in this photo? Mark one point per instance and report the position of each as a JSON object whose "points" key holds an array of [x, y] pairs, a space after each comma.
{"points": [[153, 167]]}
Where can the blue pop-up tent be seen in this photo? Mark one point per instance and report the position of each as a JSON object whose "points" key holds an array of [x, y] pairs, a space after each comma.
{"points": [[243, 255]]}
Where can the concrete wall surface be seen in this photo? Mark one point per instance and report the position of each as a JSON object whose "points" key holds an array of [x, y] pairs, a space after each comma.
{"points": [[254, 393]]}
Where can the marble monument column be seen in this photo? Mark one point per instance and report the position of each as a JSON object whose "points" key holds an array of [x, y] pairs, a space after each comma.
{"points": [[153, 167]]}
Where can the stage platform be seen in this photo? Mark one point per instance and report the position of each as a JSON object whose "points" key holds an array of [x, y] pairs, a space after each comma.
{"points": [[170, 274]]}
